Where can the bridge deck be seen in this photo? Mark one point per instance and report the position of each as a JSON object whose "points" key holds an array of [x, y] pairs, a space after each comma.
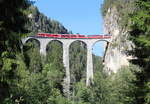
{"points": [[71, 36]]}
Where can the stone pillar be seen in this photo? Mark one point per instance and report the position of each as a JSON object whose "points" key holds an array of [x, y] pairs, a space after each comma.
{"points": [[89, 75], [43, 45], [43, 50], [66, 65]]}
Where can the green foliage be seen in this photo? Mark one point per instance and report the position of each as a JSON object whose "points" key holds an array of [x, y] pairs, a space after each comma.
{"points": [[32, 56], [123, 87], [12, 23], [54, 52], [57, 98], [147, 98], [117, 88], [77, 61], [80, 93], [54, 63], [140, 35], [55, 76], [98, 64], [35, 88], [100, 89]]}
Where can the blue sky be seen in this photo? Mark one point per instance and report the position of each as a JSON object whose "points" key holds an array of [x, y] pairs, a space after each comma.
{"points": [[79, 16]]}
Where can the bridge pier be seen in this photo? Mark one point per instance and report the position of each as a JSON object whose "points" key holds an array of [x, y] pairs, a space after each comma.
{"points": [[43, 51], [43, 45], [67, 71], [89, 72]]}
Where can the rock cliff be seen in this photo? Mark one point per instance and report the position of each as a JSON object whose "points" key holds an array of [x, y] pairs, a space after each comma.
{"points": [[117, 52]]}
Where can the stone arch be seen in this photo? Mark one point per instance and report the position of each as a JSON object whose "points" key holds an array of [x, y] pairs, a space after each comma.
{"points": [[107, 42], [77, 55], [54, 48], [26, 40], [31, 51], [97, 55], [77, 41], [55, 40], [103, 40], [54, 57]]}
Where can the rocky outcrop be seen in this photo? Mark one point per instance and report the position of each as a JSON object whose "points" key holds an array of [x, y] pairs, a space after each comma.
{"points": [[38, 22], [116, 54]]}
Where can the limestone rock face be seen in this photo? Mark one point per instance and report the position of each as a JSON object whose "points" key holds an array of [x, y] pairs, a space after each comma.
{"points": [[116, 54]]}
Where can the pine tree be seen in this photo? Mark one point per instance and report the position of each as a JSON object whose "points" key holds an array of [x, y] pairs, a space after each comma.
{"points": [[140, 35], [12, 20]]}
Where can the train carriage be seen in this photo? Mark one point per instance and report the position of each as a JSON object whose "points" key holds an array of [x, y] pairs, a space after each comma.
{"points": [[73, 36]]}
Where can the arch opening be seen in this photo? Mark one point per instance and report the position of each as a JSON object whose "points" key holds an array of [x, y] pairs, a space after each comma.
{"points": [[54, 63], [34, 43], [31, 51], [54, 52], [98, 55], [99, 47], [78, 62]]}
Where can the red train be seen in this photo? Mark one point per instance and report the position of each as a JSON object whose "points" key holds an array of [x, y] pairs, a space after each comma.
{"points": [[68, 36]]}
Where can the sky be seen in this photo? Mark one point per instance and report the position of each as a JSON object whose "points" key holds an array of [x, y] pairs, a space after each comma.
{"points": [[79, 16]]}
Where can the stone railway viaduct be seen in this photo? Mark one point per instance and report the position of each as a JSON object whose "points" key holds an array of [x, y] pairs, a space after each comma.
{"points": [[66, 44]]}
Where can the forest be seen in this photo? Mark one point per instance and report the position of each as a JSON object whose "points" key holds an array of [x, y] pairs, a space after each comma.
{"points": [[26, 77]]}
